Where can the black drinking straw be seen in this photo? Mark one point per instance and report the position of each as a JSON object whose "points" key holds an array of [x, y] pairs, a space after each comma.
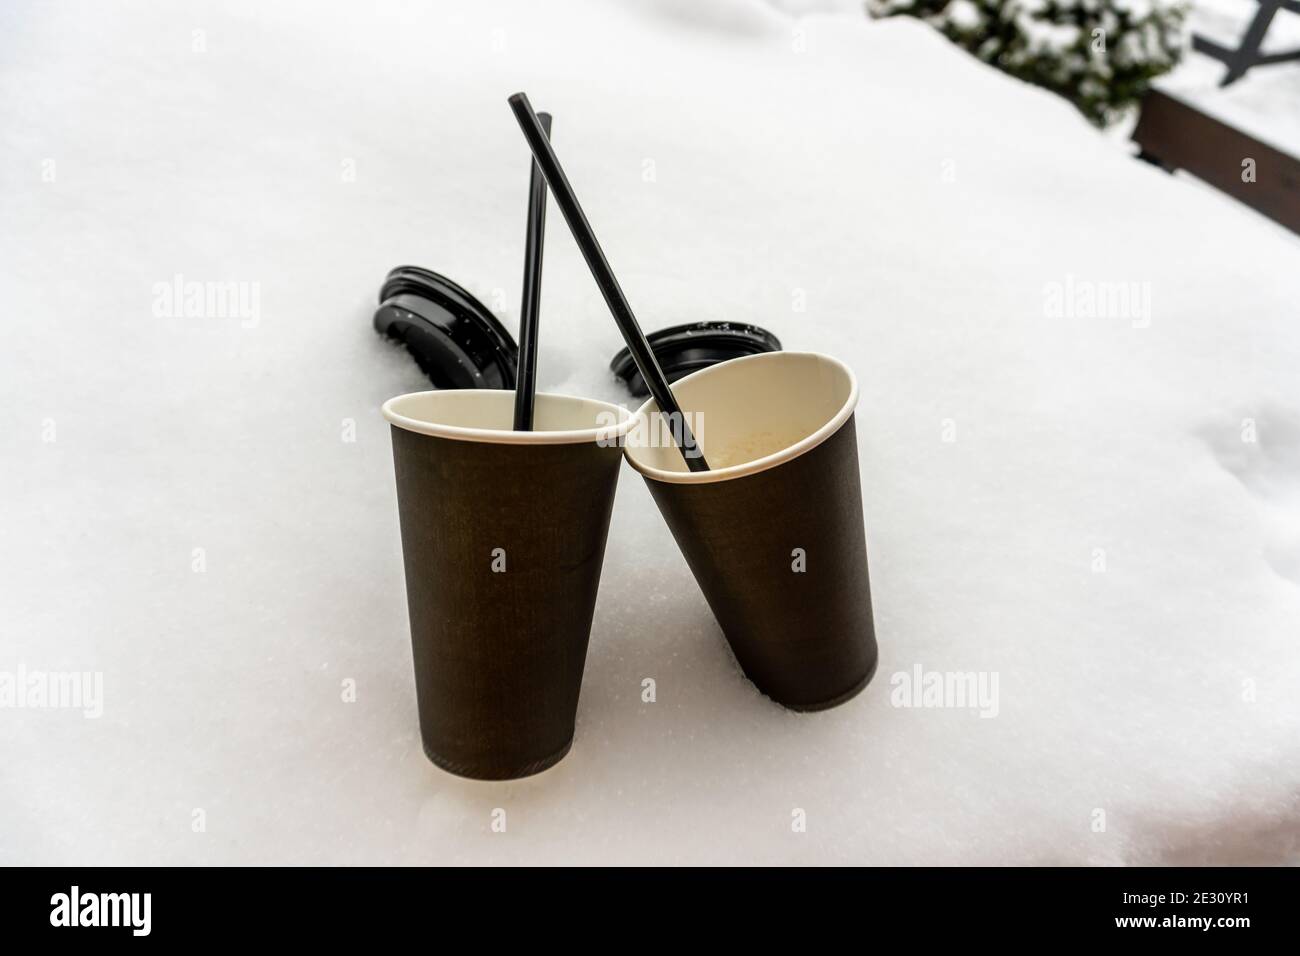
{"points": [[642, 354], [526, 381]]}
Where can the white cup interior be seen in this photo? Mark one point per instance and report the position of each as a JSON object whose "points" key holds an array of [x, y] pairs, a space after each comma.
{"points": [[487, 415], [749, 414]]}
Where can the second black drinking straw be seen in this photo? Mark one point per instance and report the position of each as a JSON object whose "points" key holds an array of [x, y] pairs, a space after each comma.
{"points": [[642, 354]]}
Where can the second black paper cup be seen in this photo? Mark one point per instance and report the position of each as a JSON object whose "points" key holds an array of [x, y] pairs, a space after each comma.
{"points": [[503, 537], [774, 531]]}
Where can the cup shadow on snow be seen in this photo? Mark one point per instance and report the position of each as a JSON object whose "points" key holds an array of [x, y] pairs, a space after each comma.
{"points": [[1227, 838], [1276, 843]]}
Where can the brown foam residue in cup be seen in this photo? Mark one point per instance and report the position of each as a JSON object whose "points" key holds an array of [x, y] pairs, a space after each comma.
{"points": [[750, 447]]}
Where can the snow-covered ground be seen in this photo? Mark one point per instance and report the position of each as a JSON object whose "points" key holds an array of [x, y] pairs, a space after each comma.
{"points": [[1099, 507], [1265, 102]]}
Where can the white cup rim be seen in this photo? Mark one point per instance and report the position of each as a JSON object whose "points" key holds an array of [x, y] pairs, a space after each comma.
{"points": [[604, 434], [788, 453]]}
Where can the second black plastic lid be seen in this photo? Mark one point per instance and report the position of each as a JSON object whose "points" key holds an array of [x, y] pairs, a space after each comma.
{"points": [[683, 349]]}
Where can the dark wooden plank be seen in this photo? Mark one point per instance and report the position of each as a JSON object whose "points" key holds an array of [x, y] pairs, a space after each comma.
{"points": [[1177, 136]]}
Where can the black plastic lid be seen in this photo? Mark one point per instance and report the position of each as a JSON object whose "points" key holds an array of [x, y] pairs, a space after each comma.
{"points": [[683, 349], [453, 336]]}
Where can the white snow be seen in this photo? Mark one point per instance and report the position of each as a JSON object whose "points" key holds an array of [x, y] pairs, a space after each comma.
{"points": [[963, 14], [1096, 532], [1044, 36]]}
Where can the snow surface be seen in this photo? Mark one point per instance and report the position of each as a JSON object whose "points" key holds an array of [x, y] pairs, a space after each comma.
{"points": [[737, 163]]}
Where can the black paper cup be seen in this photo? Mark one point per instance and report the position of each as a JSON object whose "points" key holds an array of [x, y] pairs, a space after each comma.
{"points": [[773, 532], [503, 536]]}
